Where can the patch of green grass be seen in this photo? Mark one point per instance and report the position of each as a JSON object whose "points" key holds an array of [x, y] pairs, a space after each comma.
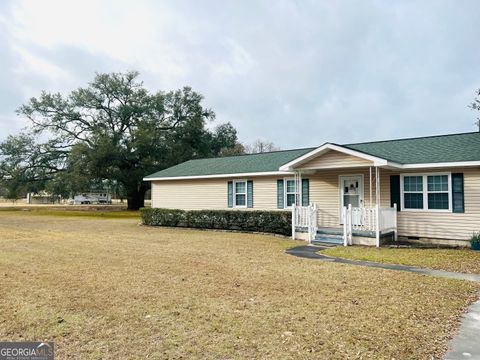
{"points": [[459, 260]]}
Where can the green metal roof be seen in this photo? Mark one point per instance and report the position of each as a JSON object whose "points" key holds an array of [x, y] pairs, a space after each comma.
{"points": [[263, 162], [431, 149]]}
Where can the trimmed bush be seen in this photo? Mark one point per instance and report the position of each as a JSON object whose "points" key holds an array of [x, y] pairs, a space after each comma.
{"points": [[275, 222]]}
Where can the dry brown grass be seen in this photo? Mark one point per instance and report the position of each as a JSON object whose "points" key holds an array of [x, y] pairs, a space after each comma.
{"points": [[458, 260], [112, 289]]}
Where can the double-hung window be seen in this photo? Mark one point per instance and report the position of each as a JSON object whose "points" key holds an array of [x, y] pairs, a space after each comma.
{"points": [[437, 192], [290, 192], [240, 193], [426, 192], [413, 192]]}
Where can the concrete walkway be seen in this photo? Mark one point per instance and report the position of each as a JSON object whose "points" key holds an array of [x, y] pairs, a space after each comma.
{"points": [[466, 344]]}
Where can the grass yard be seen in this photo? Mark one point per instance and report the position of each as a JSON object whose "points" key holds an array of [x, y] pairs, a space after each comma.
{"points": [[98, 212], [109, 288], [464, 260]]}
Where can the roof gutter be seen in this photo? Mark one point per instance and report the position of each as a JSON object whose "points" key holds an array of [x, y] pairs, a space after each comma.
{"points": [[439, 165]]}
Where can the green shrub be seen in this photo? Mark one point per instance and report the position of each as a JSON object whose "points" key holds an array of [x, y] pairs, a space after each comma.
{"points": [[475, 241], [275, 222], [166, 218]]}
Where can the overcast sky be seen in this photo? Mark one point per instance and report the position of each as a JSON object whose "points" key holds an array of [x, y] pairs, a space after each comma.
{"points": [[297, 73]]}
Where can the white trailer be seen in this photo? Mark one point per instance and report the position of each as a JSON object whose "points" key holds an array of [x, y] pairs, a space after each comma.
{"points": [[91, 198]]}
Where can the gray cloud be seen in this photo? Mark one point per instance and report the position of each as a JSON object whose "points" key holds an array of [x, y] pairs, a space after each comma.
{"points": [[295, 73]]}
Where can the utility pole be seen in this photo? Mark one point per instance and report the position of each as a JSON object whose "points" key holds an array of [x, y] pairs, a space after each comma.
{"points": [[478, 124]]}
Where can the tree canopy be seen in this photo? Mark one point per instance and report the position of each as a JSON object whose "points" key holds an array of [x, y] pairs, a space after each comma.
{"points": [[114, 130]]}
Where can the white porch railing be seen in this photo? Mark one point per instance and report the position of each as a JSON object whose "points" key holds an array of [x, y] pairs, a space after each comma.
{"points": [[363, 218], [388, 219], [305, 217], [374, 219]]}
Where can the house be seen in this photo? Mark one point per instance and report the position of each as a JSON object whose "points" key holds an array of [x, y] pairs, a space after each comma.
{"points": [[424, 189]]}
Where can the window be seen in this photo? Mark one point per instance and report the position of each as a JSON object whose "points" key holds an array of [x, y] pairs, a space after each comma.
{"points": [[290, 192], [437, 188], [413, 192], [240, 193], [426, 192]]}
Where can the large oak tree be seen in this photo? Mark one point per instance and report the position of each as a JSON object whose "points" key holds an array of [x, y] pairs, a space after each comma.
{"points": [[112, 130]]}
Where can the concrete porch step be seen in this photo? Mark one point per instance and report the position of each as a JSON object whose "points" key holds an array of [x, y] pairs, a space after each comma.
{"points": [[330, 231], [328, 239], [339, 231], [332, 235]]}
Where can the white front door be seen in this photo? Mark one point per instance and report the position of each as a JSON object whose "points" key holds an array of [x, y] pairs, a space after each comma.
{"points": [[351, 192]]}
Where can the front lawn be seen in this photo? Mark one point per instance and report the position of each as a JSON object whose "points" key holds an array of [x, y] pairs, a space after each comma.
{"points": [[464, 260], [98, 212], [109, 288]]}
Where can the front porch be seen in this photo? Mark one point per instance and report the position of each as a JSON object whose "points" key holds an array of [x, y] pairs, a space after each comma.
{"points": [[343, 198], [362, 226]]}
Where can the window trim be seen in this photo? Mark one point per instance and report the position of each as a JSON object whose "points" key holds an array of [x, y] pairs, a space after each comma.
{"points": [[425, 192], [413, 192], [285, 193], [235, 194]]}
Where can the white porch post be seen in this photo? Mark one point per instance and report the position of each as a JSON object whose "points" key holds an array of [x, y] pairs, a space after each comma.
{"points": [[293, 221], [377, 206], [295, 176], [294, 205], [379, 189], [314, 221], [350, 221], [395, 234], [370, 184], [370, 193], [298, 186], [309, 222], [297, 179]]}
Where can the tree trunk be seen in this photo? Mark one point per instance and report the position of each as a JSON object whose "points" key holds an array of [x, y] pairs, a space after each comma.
{"points": [[136, 198]]}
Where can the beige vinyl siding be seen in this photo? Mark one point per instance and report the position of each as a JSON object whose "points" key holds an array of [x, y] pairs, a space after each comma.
{"points": [[190, 194], [334, 160], [444, 225], [210, 193], [325, 192], [265, 193]]}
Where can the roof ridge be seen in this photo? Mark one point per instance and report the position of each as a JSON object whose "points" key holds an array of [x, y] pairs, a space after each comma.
{"points": [[260, 153], [411, 138]]}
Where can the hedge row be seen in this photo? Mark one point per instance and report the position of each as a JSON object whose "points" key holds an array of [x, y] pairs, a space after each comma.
{"points": [[275, 222]]}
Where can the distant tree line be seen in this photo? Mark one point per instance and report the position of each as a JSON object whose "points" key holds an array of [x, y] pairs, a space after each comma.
{"points": [[258, 146]]}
